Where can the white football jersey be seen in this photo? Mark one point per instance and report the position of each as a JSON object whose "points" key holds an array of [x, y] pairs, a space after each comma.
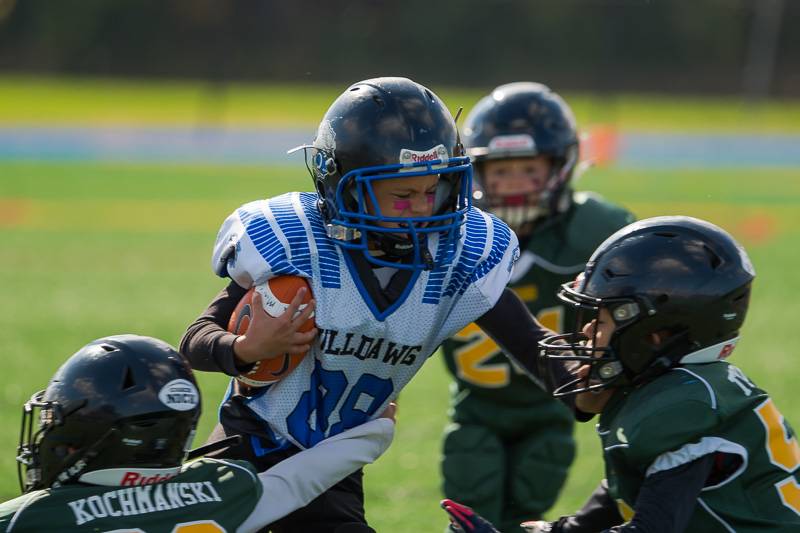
{"points": [[363, 356]]}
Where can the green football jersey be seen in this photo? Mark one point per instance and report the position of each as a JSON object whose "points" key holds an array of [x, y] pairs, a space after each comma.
{"points": [[554, 254], [209, 496], [695, 410]]}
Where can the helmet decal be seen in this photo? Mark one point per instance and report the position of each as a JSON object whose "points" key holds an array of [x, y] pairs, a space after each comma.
{"points": [[511, 143], [408, 156], [179, 394], [325, 156], [326, 137]]}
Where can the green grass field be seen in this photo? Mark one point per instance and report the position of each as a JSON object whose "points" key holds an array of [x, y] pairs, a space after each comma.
{"points": [[46, 101], [92, 249]]}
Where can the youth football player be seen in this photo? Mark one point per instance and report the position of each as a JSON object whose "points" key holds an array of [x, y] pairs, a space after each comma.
{"points": [[107, 452], [690, 443], [509, 446], [398, 260]]}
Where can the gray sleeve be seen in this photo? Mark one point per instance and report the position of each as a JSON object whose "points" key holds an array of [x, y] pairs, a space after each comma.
{"points": [[295, 481]]}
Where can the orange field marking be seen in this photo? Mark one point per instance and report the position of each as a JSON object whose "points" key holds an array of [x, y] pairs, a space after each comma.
{"points": [[758, 228], [13, 212], [600, 145]]}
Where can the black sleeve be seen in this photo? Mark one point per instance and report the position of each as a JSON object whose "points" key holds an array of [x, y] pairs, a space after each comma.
{"points": [[665, 503], [597, 514], [667, 499], [206, 343], [512, 326]]}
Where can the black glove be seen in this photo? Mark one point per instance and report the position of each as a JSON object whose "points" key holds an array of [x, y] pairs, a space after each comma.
{"points": [[462, 518]]}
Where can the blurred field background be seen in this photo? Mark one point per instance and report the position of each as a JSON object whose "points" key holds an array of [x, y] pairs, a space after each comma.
{"points": [[91, 248], [118, 163]]}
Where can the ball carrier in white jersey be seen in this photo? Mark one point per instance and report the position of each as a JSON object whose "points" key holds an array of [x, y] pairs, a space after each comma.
{"points": [[397, 259]]}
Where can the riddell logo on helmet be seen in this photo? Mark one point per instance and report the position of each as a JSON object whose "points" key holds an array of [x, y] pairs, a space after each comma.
{"points": [[423, 157], [410, 157], [133, 478]]}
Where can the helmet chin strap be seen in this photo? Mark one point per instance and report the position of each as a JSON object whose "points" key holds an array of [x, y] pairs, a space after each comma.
{"points": [[398, 249], [667, 355], [82, 460], [394, 246]]}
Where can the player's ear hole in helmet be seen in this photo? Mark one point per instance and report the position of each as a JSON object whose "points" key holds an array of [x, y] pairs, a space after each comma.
{"points": [[120, 402], [382, 129], [677, 290], [523, 120]]}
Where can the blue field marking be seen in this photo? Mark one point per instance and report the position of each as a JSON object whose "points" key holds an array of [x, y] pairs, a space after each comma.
{"points": [[702, 150], [240, 145], [155, 144]]}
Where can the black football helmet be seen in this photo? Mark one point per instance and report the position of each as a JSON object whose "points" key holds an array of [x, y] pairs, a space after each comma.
{"points": [[682, 278], [386, 128], [523, 119], [121, 411]]}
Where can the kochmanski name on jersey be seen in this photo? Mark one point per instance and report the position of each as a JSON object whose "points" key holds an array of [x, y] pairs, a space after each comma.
{"points": [[133, 501]]}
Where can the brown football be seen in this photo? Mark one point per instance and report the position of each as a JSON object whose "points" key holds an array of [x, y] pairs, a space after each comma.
{"points": [[276, 295]]}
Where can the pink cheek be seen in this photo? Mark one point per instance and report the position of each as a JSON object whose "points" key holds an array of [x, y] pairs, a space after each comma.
{"points": [[401, 205], [431, 198]]}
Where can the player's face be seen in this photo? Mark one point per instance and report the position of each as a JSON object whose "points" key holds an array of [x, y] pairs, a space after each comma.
{"points": [[519, 180], [600, 329], [599, 333], [405, 197]]}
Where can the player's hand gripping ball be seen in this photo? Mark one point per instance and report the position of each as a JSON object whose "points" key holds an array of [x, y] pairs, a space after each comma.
{"points": [[276, 295]]}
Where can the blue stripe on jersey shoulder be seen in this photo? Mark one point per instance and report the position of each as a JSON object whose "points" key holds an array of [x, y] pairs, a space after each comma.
{"points": [[501, 239], [296, 260], [283, 211], [470, 267], [472, 249], [327, 252], [433, 288]]}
